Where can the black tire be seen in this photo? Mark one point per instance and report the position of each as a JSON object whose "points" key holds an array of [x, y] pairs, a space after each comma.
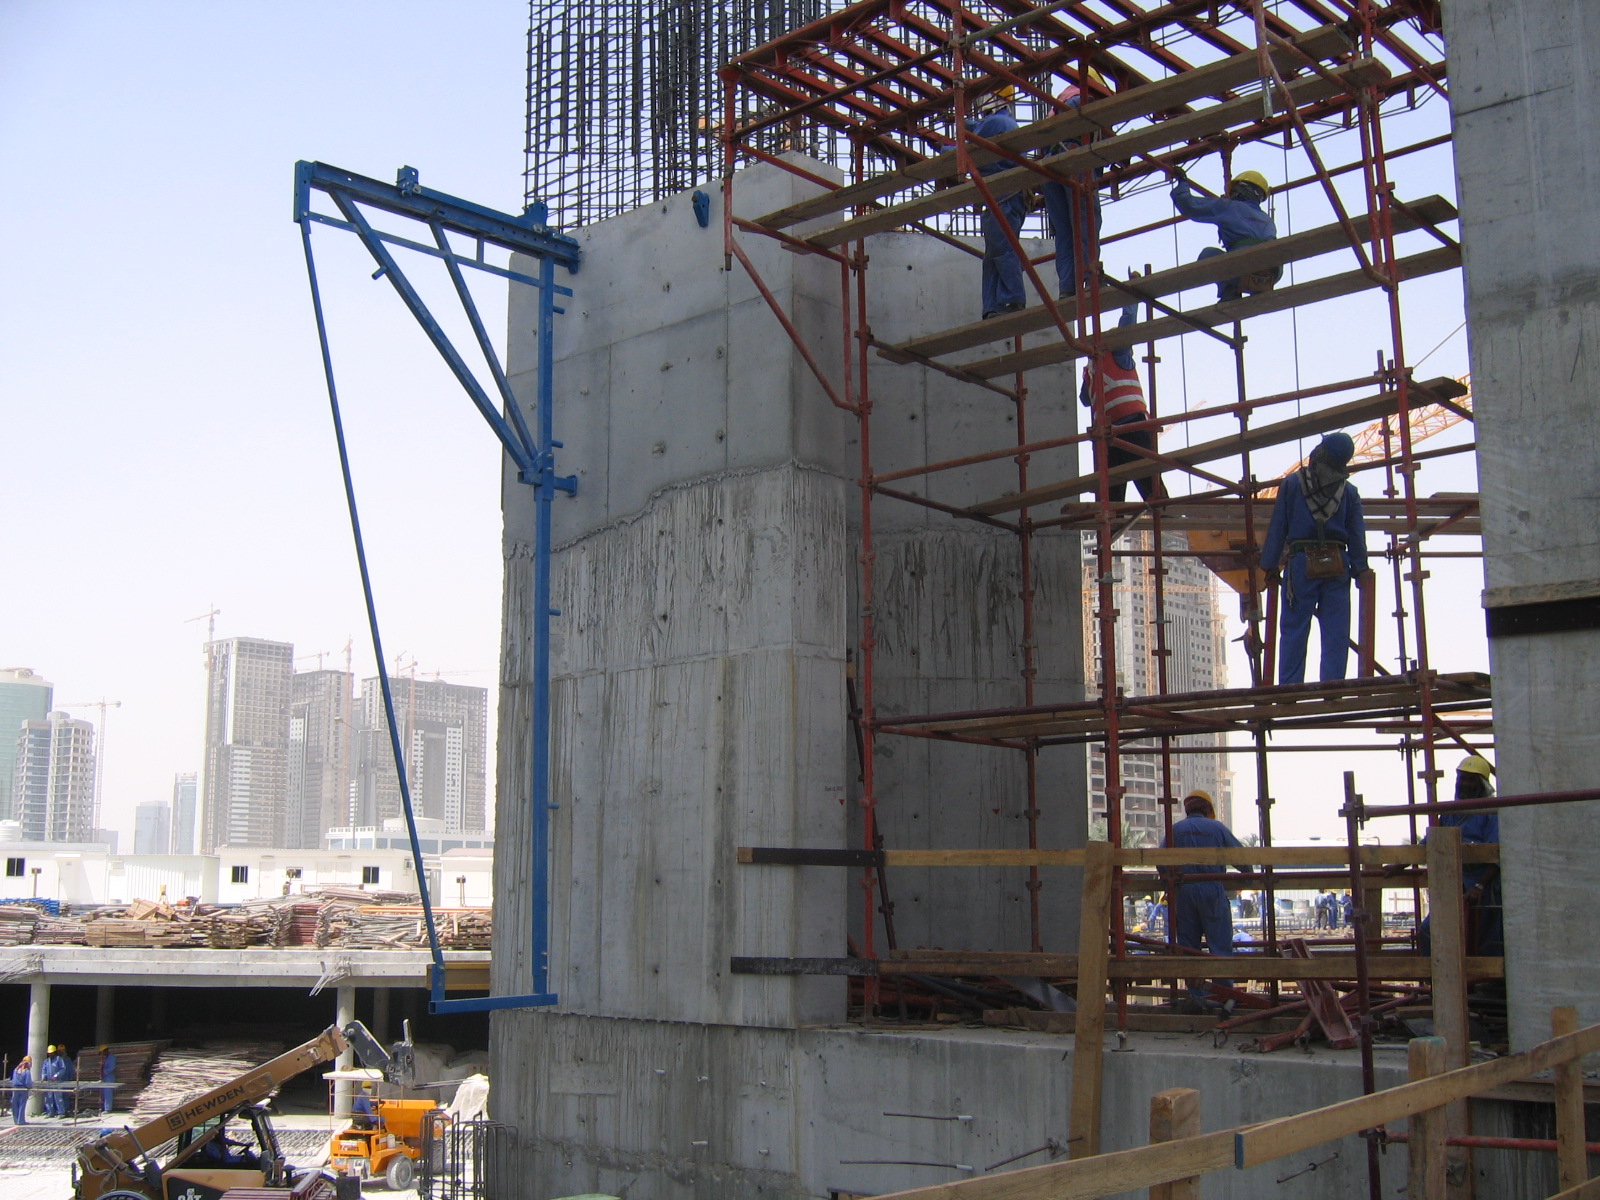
{"points": [[123, 1194], [400, 1174]]}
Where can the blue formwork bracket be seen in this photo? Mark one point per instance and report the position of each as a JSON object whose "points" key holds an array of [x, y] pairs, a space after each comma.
{"points": [[527, 234]]}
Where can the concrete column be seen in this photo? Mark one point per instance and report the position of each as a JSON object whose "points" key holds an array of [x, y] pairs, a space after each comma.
{"points": [[1524, 101], [38, 1037], [345, 1012], [380, 1014], [105, 1008]]}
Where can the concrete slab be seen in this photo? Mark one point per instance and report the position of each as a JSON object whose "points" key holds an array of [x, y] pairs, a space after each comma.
{"points": [[257, 967]]}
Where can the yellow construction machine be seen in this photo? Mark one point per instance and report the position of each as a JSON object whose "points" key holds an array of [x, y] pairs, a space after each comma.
{"points": [[205, 1164]]}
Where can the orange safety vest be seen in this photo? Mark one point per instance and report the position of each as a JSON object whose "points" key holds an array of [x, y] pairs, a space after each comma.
{"points": [[1124, 394]]}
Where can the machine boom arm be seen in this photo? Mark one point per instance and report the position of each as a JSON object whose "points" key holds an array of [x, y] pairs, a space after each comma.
{"points": [[101, 1163]]}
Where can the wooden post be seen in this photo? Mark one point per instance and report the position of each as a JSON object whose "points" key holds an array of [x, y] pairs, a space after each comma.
{"points": [[1571, 1154], [1367, 624], [1447, 925], [1088, 1046], [1427, 1177], [1175, 1113]]}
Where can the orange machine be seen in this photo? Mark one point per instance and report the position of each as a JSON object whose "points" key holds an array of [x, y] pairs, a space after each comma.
{"points": [[388, 1148]]}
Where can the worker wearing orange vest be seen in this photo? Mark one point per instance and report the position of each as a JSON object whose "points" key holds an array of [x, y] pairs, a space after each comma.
{"points": [[1121, 402]]}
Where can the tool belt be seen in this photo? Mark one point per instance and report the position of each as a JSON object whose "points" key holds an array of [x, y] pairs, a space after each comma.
{"points": [[1324, 560]]}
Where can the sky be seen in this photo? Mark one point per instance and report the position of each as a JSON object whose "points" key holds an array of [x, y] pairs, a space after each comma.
{"points": [[168, 444], [168, 448]]}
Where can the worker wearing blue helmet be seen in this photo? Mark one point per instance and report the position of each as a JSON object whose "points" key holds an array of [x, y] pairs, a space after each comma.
{"points": [[1316, 543]]}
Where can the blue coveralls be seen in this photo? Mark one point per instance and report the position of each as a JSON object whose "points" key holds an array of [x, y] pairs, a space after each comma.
{"points": [[1486, 931], [1070, 215], [1202, 911], [108, 1074], [1326, 599], [56, 1069], [1002, 273], [1239, 223], [21, 1081]]}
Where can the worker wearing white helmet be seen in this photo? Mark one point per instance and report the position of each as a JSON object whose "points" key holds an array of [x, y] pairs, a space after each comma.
{"points": [[1074, 211], [1002, 272]]}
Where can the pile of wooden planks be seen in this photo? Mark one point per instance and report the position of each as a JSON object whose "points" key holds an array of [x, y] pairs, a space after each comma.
{"points": [[17, 923], [179, 1075], [380, 927]]}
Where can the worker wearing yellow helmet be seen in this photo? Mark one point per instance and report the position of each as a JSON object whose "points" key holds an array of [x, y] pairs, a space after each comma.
{"points": [[1479, 881], [1002, 272], [1201, 913], [56, 1068], [1241, 222], [1075, 210]]}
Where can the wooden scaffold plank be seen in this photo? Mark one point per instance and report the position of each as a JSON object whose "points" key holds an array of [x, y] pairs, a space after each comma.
{"points": [[1088, 1047], [1295, 247], [1338, 416]]}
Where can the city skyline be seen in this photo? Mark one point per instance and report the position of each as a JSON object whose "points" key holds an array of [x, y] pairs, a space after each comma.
{"points": [[120, 811]]}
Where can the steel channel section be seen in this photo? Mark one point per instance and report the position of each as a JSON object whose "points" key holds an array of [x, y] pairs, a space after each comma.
{"points": [[534, 458]]}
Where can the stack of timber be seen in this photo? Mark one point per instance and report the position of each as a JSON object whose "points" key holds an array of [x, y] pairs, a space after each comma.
{"points": [[17, 923], [122, 932], [58, 931], [181, 1074], [134, 1061], [396, 927]]}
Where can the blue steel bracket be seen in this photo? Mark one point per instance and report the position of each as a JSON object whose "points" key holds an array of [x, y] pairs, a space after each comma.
{"points": [[533, 456], [527, 234]]}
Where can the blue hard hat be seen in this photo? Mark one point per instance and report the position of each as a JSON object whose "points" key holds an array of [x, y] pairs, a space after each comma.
{"points": [[1337, 448]]}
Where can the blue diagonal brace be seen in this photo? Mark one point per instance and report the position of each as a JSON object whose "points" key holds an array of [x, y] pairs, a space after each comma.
{"points": [[484, 344], [525, 456]]}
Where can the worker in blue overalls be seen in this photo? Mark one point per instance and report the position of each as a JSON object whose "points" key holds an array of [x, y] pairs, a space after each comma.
{"points": [[1002, 273], [1202, 913], [1318, 527], [1240, 222], [1074, 211], [21, 1081], [1480, 882]]}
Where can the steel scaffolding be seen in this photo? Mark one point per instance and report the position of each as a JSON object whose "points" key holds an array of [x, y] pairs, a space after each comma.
{"points": [[1163, 86]]}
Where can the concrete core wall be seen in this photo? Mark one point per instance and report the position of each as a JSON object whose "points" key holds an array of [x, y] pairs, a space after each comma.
{"points": [[1526, 103], [708, 581]]}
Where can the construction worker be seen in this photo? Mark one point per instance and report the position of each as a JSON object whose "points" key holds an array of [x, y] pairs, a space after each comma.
{"points": [[1002, 273], [1074, 211], [1201, 913], [56, 1068], [1240, 222], [1318, 527], [108, 1074], [21, 1081], [362, 1109], [1480, 882], [1122, 403]]}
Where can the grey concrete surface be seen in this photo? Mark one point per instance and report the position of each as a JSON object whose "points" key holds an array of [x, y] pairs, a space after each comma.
{"points": [[673, 1111], [260, 966], [1525, 100], [708, 586]]}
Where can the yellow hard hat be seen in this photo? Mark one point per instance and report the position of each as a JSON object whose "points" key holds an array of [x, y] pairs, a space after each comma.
{"points": [[1099, 80], [49, 1049], [1006, 93], [1201, 795], [1476, 764], [1253, 177]]}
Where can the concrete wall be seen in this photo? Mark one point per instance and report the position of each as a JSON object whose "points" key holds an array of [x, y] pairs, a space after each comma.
{"points": [[708, 584], [1525, 99], [673, 1111]]}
